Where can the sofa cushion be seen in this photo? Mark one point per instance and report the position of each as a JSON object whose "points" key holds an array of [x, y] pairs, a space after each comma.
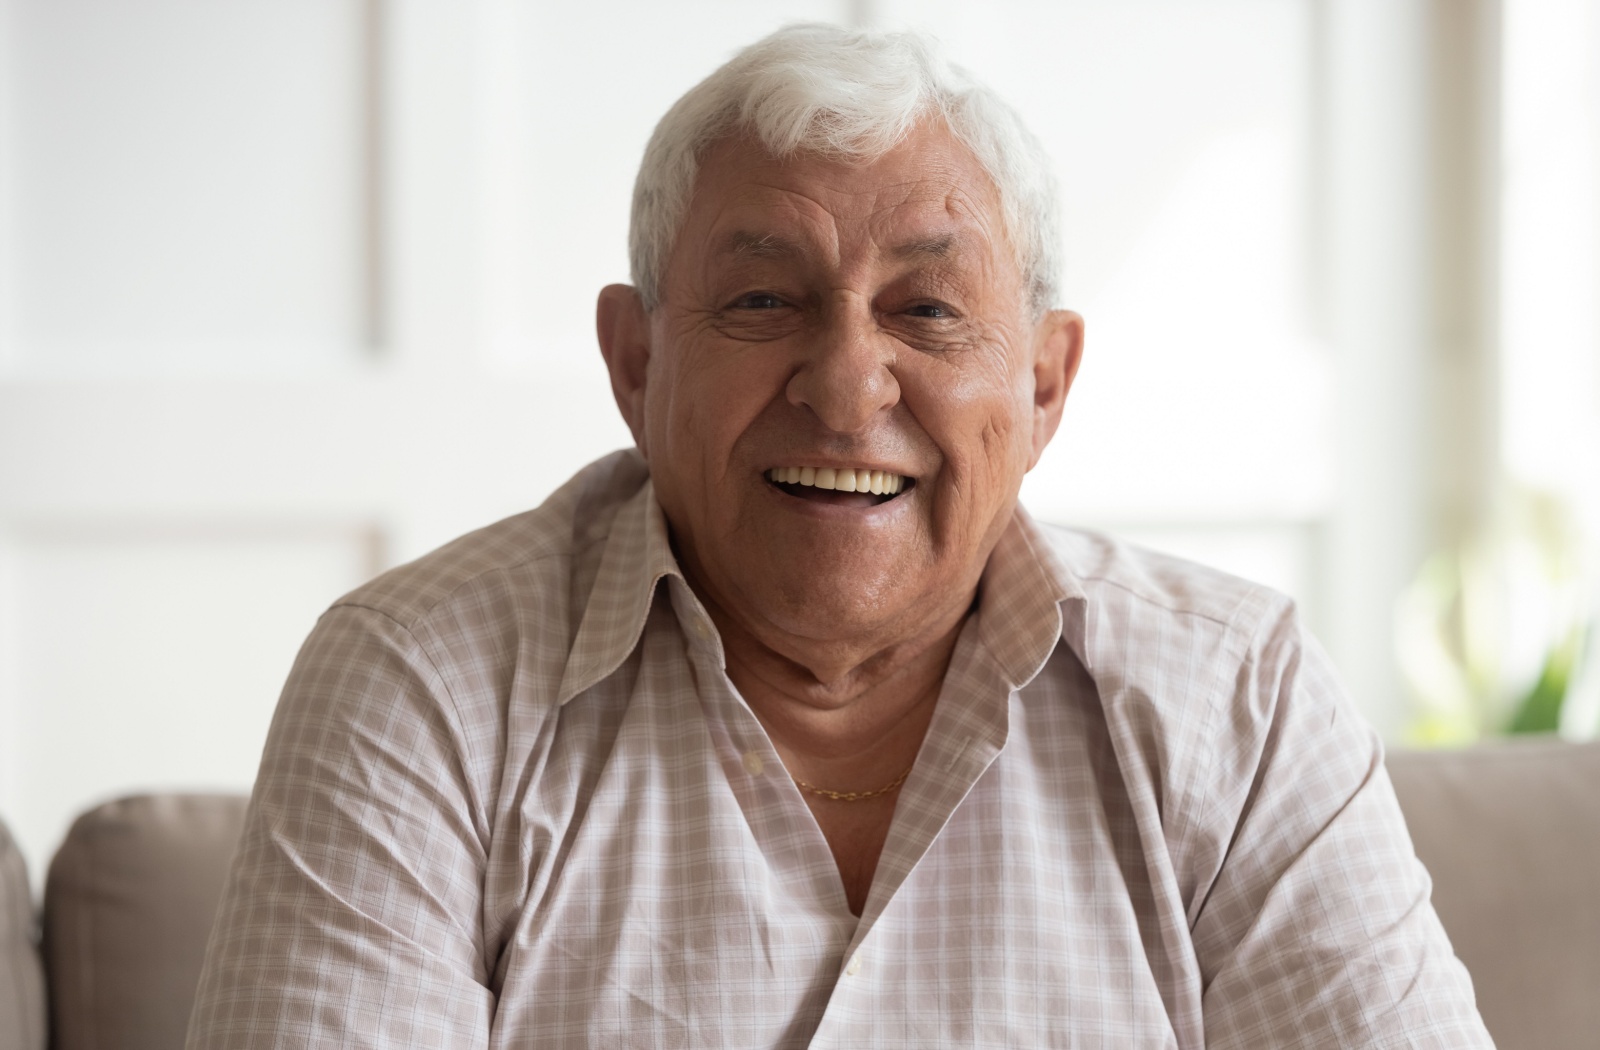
{"points": [[1511, 836], [128, 906], [21, 981]]}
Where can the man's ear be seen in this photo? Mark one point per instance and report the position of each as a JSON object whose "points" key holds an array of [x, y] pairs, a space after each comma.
{"points": [[623, 325], [1057, 349]]}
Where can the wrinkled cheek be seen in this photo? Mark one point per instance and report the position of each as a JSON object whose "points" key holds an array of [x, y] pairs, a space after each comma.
{"points": [[999, 444], [672, 424], [995, 458], [657, 415], [980, 483]]}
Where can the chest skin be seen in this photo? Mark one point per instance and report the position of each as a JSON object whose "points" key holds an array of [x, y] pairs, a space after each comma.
{"points": [[856, 832]]}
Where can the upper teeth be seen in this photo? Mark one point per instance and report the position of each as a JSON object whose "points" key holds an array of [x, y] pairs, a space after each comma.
{"points": [[877, 482]]}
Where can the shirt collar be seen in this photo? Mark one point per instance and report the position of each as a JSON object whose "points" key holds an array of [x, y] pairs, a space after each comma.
{"points": [[1019, 600], [635, 555]]}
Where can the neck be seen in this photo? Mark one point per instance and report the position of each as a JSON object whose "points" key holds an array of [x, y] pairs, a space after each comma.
{"points": [[849, 729]]}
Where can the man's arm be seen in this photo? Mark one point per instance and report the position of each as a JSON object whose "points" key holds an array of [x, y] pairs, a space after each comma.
{"points": [[353, 913], [1317, 930]]}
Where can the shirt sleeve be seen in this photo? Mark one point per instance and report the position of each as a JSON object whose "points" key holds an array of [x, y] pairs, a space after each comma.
{"points": [[352, 914], [1317, 930]]}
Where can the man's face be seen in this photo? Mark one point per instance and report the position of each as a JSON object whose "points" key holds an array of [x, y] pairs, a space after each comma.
{"points": [[821, 317]]}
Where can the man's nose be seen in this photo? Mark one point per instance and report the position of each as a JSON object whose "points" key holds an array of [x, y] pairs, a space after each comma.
{"points": [[845, 376]]}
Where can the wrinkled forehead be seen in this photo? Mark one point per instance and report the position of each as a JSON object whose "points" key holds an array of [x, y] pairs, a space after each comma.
{"points": [[927, 198]]}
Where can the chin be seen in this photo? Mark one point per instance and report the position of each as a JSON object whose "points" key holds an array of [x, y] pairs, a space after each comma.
{"points": [[847, 607]]}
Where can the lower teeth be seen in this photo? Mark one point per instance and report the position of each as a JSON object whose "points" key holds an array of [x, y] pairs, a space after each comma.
{"points": [[796, 488]]}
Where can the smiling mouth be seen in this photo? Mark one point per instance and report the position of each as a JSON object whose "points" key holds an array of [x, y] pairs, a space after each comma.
{"points": [[827, 484]]}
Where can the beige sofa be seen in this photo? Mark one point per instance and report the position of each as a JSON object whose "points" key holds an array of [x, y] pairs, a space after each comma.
{"points": [[1511, 834], [128, 904]]}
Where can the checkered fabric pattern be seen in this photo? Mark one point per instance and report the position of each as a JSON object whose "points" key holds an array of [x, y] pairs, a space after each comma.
{"points": [[510, 798]]}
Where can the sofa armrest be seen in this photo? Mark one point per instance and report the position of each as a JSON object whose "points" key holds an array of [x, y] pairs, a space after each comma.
{"points": [[1510, 833], [21, 980], [128, 907]]}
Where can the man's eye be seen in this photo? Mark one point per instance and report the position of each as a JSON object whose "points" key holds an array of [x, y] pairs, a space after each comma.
{"points": [[933, 310], [757, 301]]}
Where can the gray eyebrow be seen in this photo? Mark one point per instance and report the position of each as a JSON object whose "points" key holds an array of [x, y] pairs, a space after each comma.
{"points": [[763, 245], [939, 247], [772, 246]]}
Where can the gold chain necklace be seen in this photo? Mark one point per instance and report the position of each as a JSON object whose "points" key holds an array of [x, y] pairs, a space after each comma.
{"points": [[853, 796]]}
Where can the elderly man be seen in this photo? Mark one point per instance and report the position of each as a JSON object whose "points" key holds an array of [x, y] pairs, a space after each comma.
{"points": [[790, 728]]}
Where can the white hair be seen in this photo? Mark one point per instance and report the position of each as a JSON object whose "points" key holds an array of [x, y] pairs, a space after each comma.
{"points": [[844, 93]]}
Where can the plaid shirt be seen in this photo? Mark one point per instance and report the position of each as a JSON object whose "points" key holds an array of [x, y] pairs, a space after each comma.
{"points": [[510, 798]]}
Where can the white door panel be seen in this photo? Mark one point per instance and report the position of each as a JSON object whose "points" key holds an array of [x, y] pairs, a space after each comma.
{"points": [[147, 654], [184, 185]]}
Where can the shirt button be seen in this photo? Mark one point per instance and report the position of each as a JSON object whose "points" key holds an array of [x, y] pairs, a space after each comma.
{"points": [[854, 967], [754, 763], [701, 631]]}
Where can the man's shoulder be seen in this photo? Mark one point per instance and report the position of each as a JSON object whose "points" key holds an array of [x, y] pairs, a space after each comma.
{"points": [[1117, 575], [535, 555]]}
